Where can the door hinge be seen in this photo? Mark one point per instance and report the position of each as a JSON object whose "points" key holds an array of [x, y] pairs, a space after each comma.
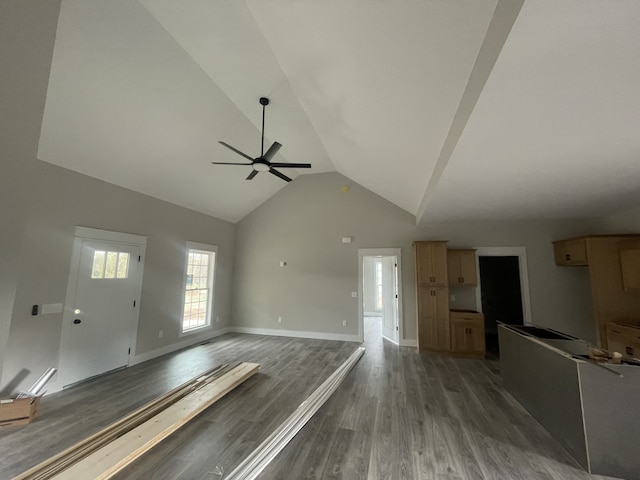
{"points": [[134, 303], [397, 328], [139, 257], [396, 296], [129, 351]]}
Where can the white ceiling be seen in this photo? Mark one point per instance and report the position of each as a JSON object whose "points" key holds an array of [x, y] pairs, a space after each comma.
{"points": [[556, 131], [141, 92]]}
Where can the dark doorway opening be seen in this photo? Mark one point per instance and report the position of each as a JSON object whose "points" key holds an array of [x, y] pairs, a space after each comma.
{"points": [[501, 296]]}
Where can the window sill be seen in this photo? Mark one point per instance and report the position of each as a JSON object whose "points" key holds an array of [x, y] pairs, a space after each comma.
{"points": [[196, 330]]}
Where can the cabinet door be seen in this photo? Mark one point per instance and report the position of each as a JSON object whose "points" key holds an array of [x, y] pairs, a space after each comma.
{"points": [[424, 263], [467, 337], [462, 268], [439, 263], [433, 327], [431, 263], [630, 266], [468, 268], [571, 252]]}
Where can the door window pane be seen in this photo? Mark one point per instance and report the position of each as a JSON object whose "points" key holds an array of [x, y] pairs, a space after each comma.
{"points": [[110, 264]]}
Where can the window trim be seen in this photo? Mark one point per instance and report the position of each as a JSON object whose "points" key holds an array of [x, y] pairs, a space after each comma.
{"points": [[212, 284]]}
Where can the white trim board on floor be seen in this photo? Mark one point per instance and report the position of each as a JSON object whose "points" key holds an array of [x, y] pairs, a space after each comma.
{"points": [[297, 334]]}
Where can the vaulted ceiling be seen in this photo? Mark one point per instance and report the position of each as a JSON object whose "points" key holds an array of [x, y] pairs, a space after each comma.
{"points": [[452, 110]]}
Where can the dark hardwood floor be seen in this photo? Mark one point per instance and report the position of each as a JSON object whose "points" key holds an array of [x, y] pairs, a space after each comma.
{"points": [[399, 414]]}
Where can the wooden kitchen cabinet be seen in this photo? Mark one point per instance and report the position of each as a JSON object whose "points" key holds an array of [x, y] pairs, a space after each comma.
{"points": [[614, 266], [432, 296], [433, 327], [467, 333], [624, 339], [571, 252], [630, 265], [431, 263], [461, 265]]}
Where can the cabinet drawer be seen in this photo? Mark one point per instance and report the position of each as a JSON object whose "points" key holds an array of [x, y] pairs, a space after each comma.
{"points": [[457, 315]]}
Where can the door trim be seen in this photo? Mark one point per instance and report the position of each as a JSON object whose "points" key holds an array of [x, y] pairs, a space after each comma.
{"points": [[521, 253], [86, 233], [385, 252]]}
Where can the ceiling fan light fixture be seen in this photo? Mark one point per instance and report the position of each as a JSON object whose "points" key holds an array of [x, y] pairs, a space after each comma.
{"points": [[258, 166], [263, 163]]}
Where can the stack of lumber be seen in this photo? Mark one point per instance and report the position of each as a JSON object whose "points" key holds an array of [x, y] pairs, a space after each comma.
{"points": [[107, 452]]}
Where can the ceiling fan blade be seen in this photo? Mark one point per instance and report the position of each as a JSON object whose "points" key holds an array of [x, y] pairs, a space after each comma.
{"points": [[273, 149], [252, 174], [228, 163], [291, 165], [236, 150], [279, 175]]}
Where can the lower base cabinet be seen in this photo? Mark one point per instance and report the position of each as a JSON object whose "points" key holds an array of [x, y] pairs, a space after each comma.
{"points": [[624, 339], [467, 333]]}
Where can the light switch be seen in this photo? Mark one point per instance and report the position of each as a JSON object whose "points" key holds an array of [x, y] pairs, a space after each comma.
{"points": [[354, 294]]}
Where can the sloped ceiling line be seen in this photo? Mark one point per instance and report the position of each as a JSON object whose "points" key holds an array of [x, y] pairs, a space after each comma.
{"points": [[504, 17]]}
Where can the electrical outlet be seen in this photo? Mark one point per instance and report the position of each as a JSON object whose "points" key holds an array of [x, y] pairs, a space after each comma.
{"points": [[344, 323], [160, 333], [279, 319]]}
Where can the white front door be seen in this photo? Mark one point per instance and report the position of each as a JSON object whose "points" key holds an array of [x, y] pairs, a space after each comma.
{"points": [[101, 318], [389, 299]]}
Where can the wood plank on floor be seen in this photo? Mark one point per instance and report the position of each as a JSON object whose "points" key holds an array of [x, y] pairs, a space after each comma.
{"points": [[398, 413]]}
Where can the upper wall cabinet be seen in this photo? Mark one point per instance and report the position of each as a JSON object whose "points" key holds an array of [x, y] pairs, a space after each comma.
{"points": [[431, 263], [614, 272], [571, 252], [462, 268], [630, 265]]}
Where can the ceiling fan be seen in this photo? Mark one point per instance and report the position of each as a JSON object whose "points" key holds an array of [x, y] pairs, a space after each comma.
{"points": [[263, 163]]}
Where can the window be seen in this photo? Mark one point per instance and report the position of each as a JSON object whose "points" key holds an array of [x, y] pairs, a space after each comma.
{"points": [[110, 264], [198, 290], [378, 264]]}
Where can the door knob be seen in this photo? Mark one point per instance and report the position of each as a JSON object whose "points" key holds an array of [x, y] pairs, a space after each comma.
{"points": [[77, 321]]}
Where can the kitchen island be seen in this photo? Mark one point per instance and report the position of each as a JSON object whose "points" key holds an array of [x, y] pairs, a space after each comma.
{"points": [[591, 409]]}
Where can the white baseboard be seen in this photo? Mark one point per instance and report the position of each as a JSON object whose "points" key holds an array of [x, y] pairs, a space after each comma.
{"points": [[297, 334], [409, 343], [188, 342]]}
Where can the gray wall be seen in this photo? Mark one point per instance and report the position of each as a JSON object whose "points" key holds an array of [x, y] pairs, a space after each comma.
{"points": [[42, 203], [304, 222], [27, 32], [622, 222]]}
